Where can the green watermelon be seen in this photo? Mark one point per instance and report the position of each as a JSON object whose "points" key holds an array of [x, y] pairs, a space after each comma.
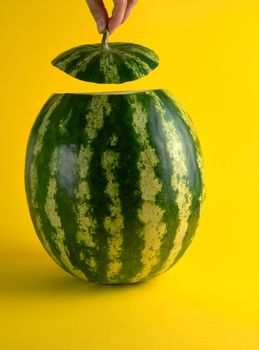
{"points": [[114, 183], [107, 63]]}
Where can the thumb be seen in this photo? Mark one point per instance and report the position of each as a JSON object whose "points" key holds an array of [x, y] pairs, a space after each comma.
{"points": [[99, 13]]}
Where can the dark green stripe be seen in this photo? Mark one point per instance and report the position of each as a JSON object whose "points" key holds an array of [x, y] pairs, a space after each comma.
{"points": [[65, 198], [32, 140], [42, 164], [92, 71], [99, 201], [129, 192]]}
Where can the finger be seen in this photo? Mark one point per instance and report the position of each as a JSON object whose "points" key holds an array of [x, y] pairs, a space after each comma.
{"points": [[99, 13], [129, 8], [118, 13]]}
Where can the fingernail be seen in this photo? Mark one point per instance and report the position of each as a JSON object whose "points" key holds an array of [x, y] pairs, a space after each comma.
{"points": [[100, 26]]}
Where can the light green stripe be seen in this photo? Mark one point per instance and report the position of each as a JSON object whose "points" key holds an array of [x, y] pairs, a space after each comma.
{"points": [[135, 64], [199, 158], [150, 213], [64, 62], [66, 58], [80, 66], [85, 221], [37, 149], [109, 69], [62, 126], [134, 49], [50, 208], [44, 241], [98, 110], [114, 223], [179, 181]]}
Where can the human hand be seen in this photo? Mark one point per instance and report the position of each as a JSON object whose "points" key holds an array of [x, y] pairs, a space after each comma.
{"points": [[120, 12]]}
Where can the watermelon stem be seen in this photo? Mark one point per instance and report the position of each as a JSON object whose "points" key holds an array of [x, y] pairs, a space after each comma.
{"points": [[105, 39]]}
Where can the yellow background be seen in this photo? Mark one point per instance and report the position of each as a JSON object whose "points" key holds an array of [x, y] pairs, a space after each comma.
{"points": [[210, 300]]}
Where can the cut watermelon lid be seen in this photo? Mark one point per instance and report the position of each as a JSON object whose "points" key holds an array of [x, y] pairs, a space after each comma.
{"points": [[107, 63]]}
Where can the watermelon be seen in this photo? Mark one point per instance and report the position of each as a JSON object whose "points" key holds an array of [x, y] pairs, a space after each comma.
{"points": [[107, 63], [114, 183]]}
